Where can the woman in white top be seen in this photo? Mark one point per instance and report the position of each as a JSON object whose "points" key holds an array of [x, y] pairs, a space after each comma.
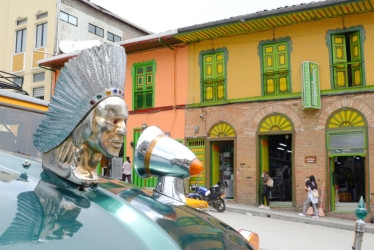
{"points": [[311, 185], [127, 170]]}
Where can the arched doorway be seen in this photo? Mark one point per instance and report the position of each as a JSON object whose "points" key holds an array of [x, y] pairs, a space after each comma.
{"points": [[222, 152], [275, 151], [346, 140]]}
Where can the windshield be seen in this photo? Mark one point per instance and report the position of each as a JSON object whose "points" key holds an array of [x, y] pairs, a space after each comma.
{"points": [[16, 130]]}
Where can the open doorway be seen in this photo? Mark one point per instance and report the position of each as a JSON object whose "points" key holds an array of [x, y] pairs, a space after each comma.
{"points": [[276, 158], [222, 165], [348, 181]]}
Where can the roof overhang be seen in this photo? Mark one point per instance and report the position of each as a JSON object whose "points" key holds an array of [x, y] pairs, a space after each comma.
{"points": [[267, 20], [134, 45]]}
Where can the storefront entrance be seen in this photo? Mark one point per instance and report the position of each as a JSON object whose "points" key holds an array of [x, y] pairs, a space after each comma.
{"points": [[348, 180], [346, 137], [276, 158], [222, 165], [276, 138]]}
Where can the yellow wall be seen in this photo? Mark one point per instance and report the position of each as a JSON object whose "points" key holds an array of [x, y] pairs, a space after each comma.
{"points": [[308, 43], [11, 10]]}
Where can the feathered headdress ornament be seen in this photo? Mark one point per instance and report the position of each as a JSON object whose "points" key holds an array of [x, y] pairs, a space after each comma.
{"points": [[87, 79]]}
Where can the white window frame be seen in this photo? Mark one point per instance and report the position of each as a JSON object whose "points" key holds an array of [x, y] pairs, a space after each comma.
{"points": [[22, 42], [41, 41], [39, 89], [69, 18]]}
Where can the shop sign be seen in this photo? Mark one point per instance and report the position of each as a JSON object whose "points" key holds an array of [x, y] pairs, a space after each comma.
{"points": [[310, 159], [310, 95]]}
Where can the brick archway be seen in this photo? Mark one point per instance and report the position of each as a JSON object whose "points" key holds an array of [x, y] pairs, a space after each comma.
{"points": [[354, 104], [294, 118]]}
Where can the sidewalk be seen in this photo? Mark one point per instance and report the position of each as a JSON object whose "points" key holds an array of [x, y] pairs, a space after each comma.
{"points": [[115, 186], [292, 216]]}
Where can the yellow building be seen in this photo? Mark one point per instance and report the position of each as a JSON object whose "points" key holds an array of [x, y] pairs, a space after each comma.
{"points": [[34, 30], [289, 91]]}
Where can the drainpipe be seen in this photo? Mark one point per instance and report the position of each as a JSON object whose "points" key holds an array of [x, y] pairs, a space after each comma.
{"points": [[55, 49], [58, 7]]}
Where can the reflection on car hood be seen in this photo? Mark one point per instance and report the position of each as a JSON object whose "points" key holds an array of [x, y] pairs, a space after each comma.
{"points": [[189, 227], [40, 210]]}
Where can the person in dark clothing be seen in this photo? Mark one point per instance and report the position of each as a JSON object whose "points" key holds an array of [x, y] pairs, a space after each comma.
{"points": [[265, 190]]}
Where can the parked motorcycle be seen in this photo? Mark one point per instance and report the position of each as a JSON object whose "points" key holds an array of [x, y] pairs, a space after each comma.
{"points": [[214, 195]]}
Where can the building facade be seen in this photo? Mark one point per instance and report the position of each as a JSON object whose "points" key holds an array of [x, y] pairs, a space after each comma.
{"points": [[288, 91], [34, 30]]}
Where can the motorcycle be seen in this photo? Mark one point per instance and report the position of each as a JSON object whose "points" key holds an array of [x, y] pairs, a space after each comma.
{"points": [[213, 196]]}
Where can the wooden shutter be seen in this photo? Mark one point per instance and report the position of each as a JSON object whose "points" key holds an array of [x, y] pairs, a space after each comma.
{"points": [[339, 55], [208, 77], [355, 49], [269, 68], [276, 77], [282, 67], [214, 76], [144, 87], [220, 75]]}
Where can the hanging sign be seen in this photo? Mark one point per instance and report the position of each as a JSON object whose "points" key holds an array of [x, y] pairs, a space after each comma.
{"points": [[310, 89]]}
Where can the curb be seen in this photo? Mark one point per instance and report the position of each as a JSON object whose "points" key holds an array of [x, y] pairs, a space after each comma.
{"points": [[280, 215]]}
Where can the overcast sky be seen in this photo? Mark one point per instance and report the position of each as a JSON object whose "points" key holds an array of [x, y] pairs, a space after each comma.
{"points": [[163, 15]]}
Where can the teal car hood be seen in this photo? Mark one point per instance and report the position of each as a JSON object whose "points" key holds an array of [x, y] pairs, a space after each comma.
{"points": [[189, 227], [39, 210]]}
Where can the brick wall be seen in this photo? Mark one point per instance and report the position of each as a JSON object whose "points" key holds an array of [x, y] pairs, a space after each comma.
{"points": [[309, 137]]}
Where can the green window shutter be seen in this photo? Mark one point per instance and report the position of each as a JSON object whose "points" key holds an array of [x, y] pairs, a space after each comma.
{"points": [[219, 66], [269, 68], [276, 68], [208, 67], [148, 99], [339, 55], [139, 101], [214, 76], [282, 67], [144, 85], [355, 49]]}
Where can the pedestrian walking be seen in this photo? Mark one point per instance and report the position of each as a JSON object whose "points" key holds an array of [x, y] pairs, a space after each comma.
{"points": [[267, 183], [312, 189], [126, 167]]}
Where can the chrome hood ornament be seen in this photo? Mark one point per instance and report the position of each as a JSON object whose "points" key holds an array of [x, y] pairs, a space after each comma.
{"points": [[159, 155], [87, 116]]}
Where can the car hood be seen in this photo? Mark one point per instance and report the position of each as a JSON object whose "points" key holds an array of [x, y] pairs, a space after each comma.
{"points": [[39, 210]]}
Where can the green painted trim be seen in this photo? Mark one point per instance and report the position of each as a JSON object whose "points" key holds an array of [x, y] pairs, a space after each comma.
{"points": [[201, 65], [329, 33], [124, 148], [328, 131], [248, 99], [260, 54], [327, 92], [351, 90], [134, 80], [258, 169]]}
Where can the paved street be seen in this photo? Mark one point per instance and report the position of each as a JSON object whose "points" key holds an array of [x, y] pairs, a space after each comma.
{"points": [[279, 234]]}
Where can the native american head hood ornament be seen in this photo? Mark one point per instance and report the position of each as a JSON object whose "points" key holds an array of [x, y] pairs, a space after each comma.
{"points": [[87, 116]]}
